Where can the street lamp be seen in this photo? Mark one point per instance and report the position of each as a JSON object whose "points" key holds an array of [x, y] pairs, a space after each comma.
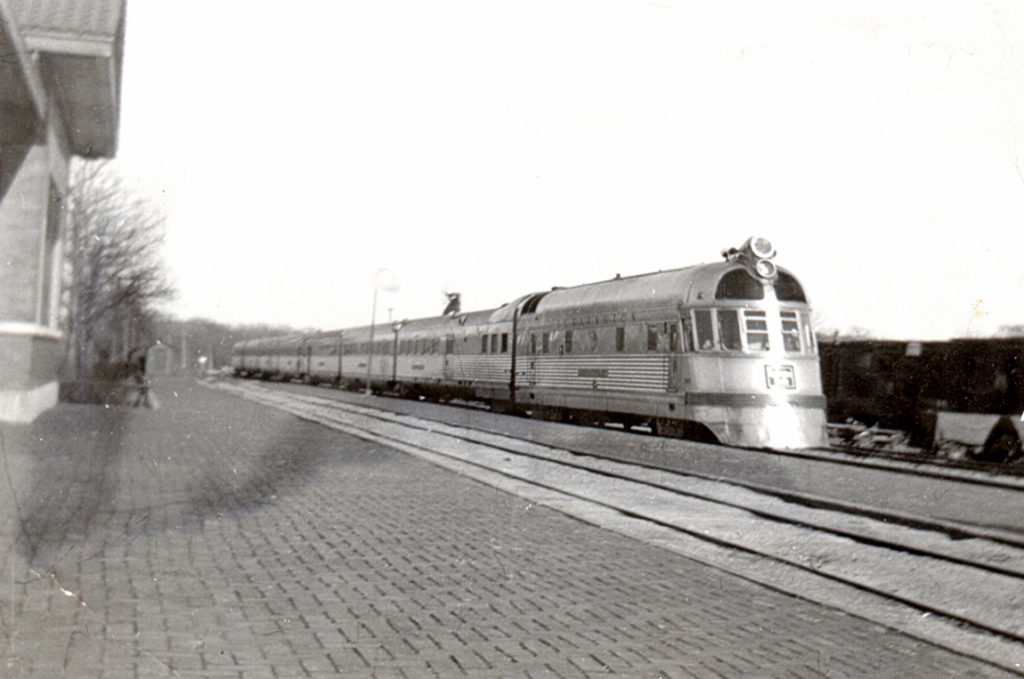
{"points": [[389, 286]]}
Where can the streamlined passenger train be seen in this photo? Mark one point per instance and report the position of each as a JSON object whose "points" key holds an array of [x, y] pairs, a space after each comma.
{"points": [[721, 352]]}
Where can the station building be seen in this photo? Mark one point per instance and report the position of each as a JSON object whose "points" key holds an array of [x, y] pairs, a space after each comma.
{"points": [[60, 90]]}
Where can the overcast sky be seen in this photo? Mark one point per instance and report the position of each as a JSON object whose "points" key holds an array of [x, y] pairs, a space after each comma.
{"points": [[498, 148]]}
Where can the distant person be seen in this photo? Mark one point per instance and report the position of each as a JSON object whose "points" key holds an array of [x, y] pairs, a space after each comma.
{"points": [[137, 376]]}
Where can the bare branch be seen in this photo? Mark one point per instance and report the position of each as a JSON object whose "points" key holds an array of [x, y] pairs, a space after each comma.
{"points": [[114, 270]]}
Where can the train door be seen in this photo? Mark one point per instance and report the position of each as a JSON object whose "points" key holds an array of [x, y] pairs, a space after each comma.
{"points": [[674, 362], [305, 354], [527, 344], [448, 368], [680, 342], [394, 356], [341, 355], [527, 363], [385, 359]]}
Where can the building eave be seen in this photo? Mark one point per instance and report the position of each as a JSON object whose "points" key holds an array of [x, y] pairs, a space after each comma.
{"points": [[88, 91], [28, 75], [80, 63]]}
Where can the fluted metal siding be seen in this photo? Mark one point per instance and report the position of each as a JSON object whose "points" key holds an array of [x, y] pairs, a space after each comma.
{"points": [[637, 372]]}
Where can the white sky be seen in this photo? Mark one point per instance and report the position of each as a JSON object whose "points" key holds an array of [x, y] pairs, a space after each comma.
{"points": [[501, 147]]}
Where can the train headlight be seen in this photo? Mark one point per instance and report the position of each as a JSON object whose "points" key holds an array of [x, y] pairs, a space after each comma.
{"points": [[756, 253], [760, 247], [765, 268]]}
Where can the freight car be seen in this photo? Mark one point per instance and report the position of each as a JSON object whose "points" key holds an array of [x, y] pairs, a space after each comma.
{"points": [[720, 352], [962, 393]]}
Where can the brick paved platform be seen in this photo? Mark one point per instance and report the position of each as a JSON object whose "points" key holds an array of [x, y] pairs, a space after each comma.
{"points": [[218, 538]]}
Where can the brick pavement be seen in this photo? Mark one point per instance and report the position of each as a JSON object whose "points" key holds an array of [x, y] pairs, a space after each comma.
{"points": [[218, 538]]}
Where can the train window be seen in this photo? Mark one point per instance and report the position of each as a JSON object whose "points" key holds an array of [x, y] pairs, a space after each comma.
{"points": [[483, 344], [687, 335], [738, 284], [435, 346], [568, 341], [494, 343], [790, 331], [756, 325], [533, 343], [587, 342], [449, 345], [729, 330], [808, 332], [504, 342], [620, 338], [673, 337], [652, 338], [545, 347], [705, 331], [787, 289]]}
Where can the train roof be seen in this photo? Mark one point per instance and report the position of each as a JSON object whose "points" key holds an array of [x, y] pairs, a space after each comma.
{"points": [[412, 326], [697, 284], [689, 285]]}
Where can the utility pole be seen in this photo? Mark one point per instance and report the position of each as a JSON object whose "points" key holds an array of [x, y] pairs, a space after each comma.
{"points": [[184, 349]]}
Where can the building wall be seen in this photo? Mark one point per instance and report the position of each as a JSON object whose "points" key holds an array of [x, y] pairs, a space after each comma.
{"points": [[22, 219], [31, 225], [59, 96], [29, 359]]}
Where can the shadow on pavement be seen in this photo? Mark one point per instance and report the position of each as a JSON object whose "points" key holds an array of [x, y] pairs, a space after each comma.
{"points": [[102, 476], [73, 480]]}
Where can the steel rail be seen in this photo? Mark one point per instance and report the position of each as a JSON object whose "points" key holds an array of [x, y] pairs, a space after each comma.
{"points": [[580, 457]]}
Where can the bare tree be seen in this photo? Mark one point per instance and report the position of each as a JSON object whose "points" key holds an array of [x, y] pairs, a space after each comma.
{"points": [[114, 276]]}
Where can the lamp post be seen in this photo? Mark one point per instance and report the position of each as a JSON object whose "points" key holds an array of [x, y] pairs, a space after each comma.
{"points": [[389, 286]]}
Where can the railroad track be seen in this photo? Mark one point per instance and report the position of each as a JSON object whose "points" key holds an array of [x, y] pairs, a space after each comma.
{"points": [[966, 594], [870, 441], [1003, 491]]}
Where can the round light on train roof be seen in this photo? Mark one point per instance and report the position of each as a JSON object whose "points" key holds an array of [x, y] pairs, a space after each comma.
{"points": [[762, 247], [765, 268]]}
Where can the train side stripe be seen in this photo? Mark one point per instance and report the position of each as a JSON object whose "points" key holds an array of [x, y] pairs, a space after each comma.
{"points": [[697, 398]]}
